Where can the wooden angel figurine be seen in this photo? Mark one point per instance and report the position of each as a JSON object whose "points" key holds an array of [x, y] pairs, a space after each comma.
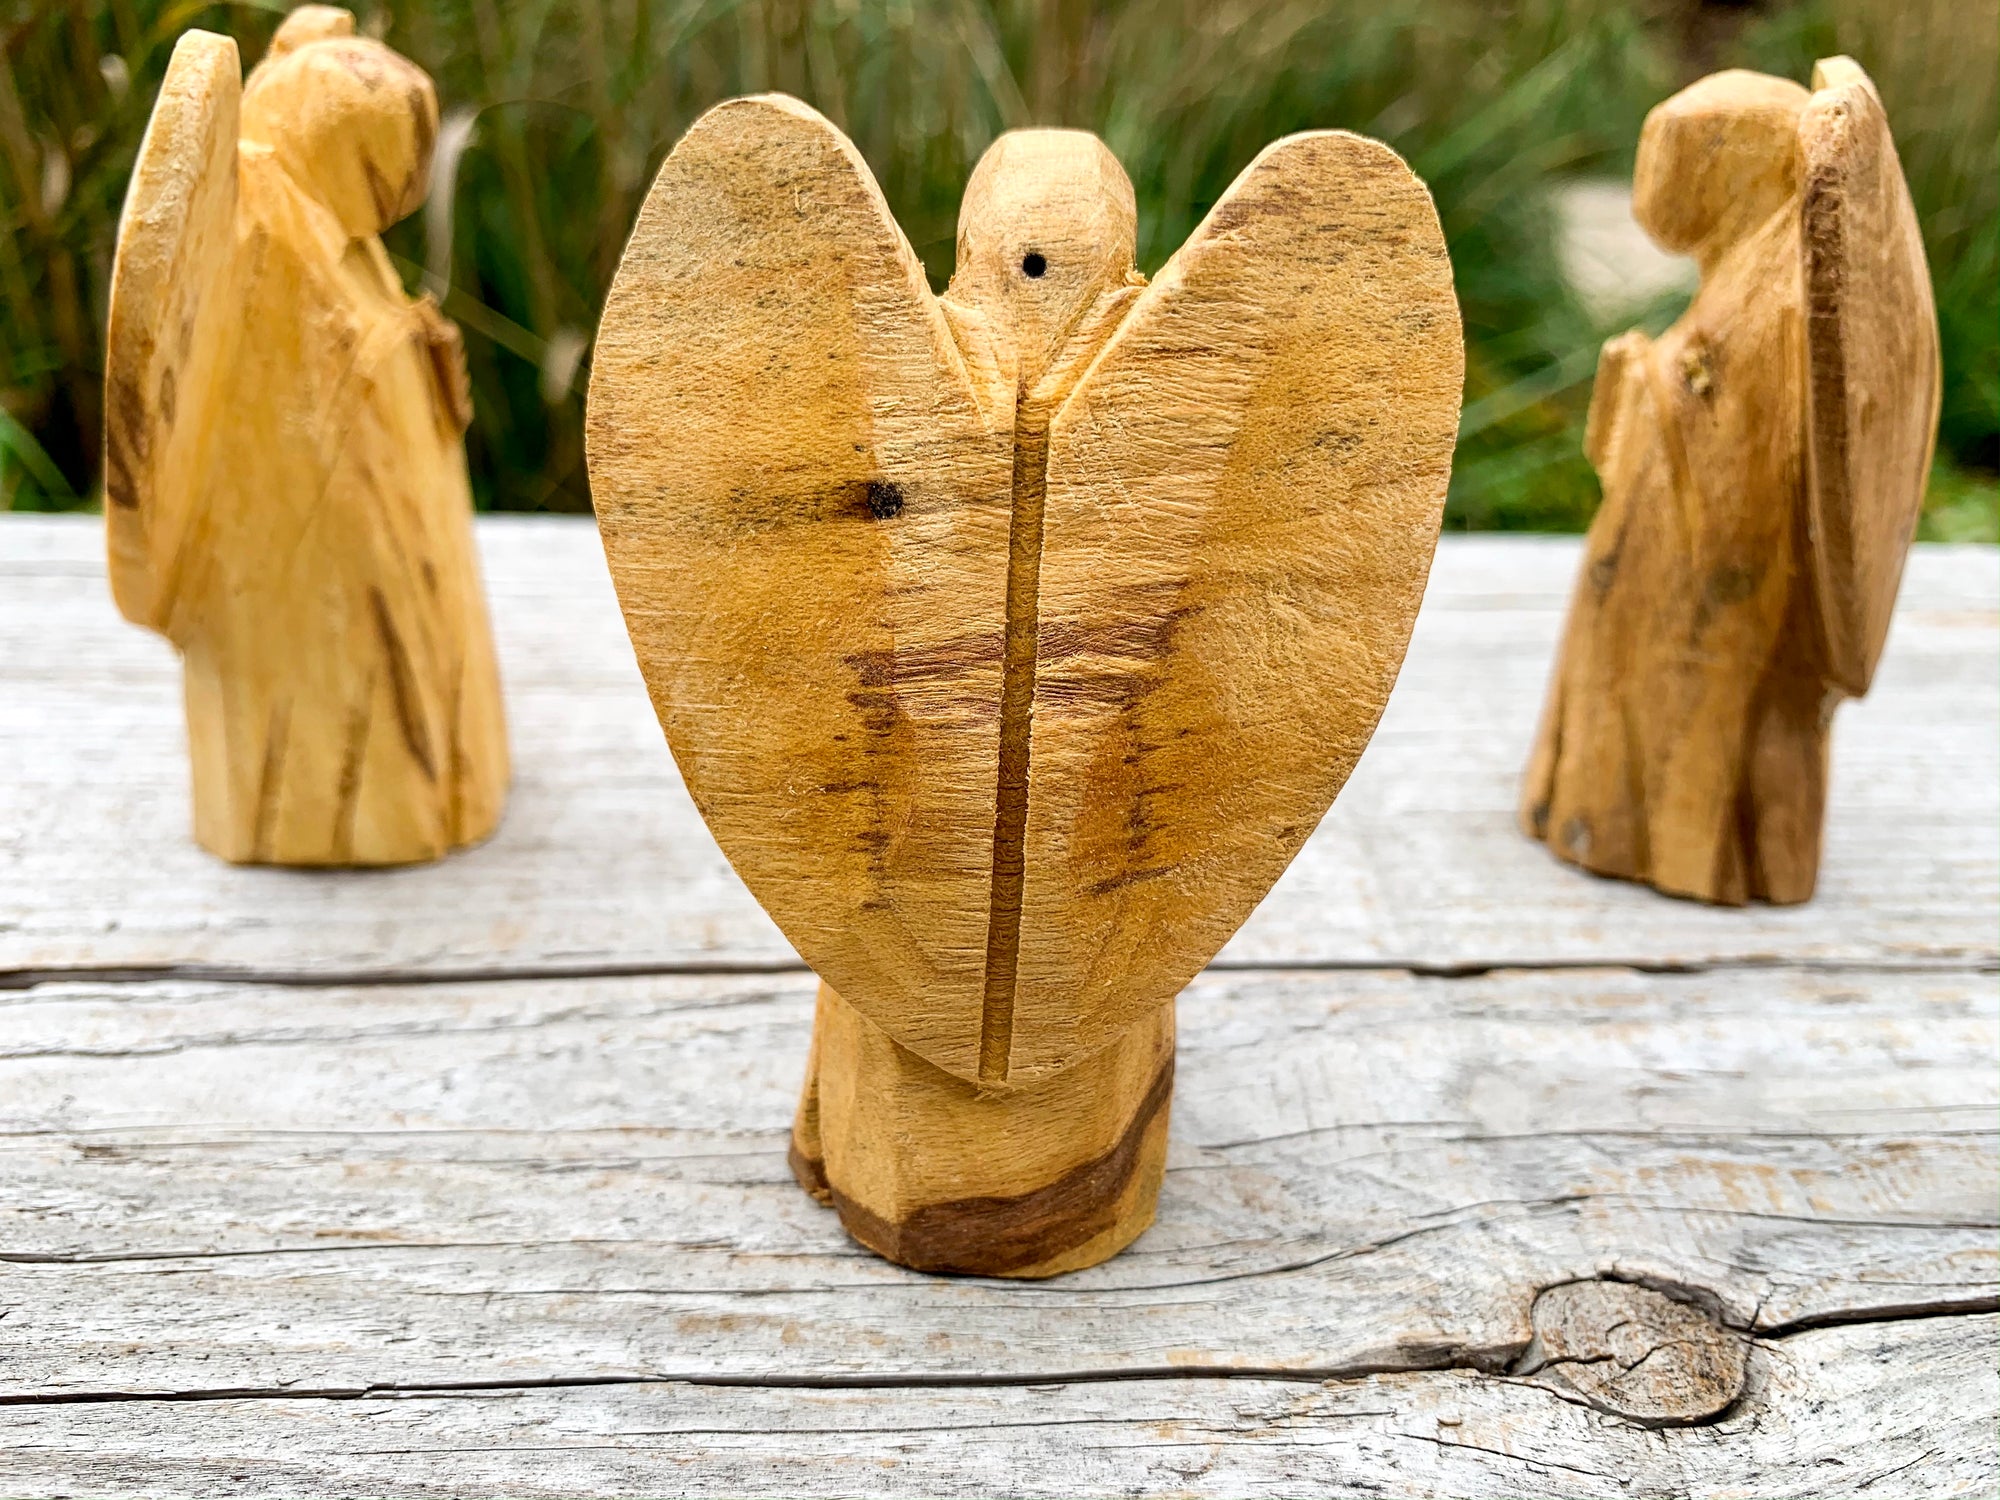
{"points": [[1012, 641], [1763, 465], [285, 478]]}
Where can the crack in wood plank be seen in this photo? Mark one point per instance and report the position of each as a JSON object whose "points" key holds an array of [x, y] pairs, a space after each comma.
{"points": [[1941, 962], [1494, 1364], [1839, 1415]]}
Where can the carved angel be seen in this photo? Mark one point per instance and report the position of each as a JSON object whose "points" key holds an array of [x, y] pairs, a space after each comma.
{"points": [[1012, 641], [285, 477], [1763, 465]]}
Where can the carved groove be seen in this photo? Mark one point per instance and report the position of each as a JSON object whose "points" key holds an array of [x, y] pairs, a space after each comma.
{"points": [[1017, 703]]}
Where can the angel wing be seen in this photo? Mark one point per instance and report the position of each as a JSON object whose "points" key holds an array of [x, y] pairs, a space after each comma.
{"points": [[169, 321], [1244, 493], [806, 514], [1873, 382]]}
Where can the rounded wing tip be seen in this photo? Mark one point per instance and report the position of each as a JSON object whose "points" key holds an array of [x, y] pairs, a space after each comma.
{"points": [[1872, 363], [1308, 152], [734, 124], [1842, 90], [1353, 146], [1839, 72], [767, 109], [182, 182], [195, 114], [1842, 112], [206, 52], [724, 136]]}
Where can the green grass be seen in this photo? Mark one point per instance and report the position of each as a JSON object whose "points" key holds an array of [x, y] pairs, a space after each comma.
{"points": [[565, 109]]}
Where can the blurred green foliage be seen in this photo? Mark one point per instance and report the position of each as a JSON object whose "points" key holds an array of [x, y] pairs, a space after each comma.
{"points": [[558, 111]]}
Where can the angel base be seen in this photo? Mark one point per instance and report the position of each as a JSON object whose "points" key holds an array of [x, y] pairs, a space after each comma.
{"points": [[286, 775], [941, 1175], [1701, 776]]}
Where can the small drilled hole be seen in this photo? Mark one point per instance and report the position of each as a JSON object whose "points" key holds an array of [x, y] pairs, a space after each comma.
{"points": [[1032, 263]]}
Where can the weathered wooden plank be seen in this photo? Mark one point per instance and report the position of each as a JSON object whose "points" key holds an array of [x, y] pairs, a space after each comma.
{"points": [[602, 863], [1900, 1408], [211, 1186]]}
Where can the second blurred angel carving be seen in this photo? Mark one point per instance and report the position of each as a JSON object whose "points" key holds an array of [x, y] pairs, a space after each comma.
{"points": [[285, 477], [1763, 466]]}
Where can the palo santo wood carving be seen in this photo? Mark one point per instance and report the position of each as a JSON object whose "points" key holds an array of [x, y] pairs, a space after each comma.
{"points": [[1012, 641], [1763, 466], [285, 476]]}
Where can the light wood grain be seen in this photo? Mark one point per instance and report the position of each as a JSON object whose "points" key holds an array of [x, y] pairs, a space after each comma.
{"points": [[286, 495], [1878, 1409], [1243, 497], [1063, 1172], [220, 1186], [1060, 488], [1764, 462], [1013, 641], [1873, 376], [338, 1201], [603, 862], [386, 1236], [778, 551]]}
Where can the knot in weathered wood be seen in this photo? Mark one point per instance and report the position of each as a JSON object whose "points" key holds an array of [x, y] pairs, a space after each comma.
{"points": [[1635, 1353]]}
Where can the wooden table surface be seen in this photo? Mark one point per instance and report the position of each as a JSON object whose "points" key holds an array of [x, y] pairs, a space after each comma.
{"points": [[1487, 1177]]}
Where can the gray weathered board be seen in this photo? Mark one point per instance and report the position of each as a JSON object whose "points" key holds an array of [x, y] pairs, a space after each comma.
{"points": [[469, 1180]]}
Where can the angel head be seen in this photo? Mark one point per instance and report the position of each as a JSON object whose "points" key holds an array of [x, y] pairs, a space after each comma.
{"points": [[1048, 223], [351, 121], [1717, 159]]}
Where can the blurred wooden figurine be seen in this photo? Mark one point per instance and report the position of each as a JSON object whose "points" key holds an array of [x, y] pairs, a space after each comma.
{"points": [[1763, 465], [285, 476], [1012, 641]]}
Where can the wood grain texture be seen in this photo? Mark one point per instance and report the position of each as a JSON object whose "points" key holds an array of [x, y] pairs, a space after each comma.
{"points": [[603, 862], [1873, 380], [1013, 641], [943, 1175], [1070, 501], [287, 498], [1763, 465], [1244, 494], [227, 1187], [1875, 1409], [385, 1230], [1636, 1353], [787, 549], [335, 1199]]}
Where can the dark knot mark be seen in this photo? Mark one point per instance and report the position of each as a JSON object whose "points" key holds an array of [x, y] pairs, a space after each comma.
{"points": [[885, 500]]}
